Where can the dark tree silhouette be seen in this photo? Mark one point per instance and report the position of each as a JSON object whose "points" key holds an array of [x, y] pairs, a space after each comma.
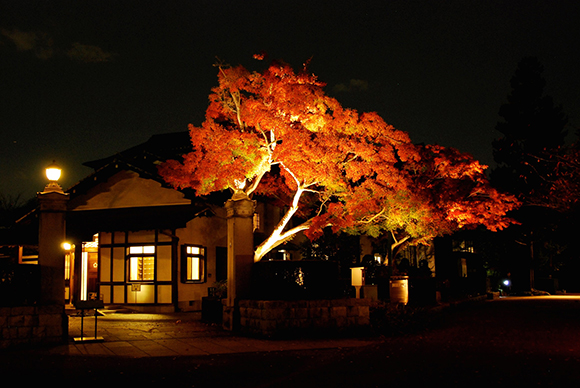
{"points": [[12, 208], [531, 125], [530, 167]]}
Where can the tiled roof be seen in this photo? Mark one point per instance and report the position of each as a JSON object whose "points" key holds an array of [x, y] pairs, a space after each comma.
{"points": [[143, 159]]}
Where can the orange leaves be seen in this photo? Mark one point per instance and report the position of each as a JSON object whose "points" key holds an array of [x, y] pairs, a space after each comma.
{"points": [[260, 56], [354, 171], [436, 191], [234, 79], [459, 194], [222, 157], [488, 211]]}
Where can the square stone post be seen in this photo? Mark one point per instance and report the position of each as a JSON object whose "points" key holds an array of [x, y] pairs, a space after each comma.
{"points": [[240, 212], [51, 236]]}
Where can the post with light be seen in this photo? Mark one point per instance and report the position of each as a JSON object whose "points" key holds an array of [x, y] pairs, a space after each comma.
{"points": [[357, 279], [53, 172], [51, 236]]}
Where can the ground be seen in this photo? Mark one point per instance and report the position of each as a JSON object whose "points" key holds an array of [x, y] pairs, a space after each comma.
{"points": [[507, 342]]}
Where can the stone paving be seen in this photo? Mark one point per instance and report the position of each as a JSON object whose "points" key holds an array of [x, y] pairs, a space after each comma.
{"points": [[180, 334]]}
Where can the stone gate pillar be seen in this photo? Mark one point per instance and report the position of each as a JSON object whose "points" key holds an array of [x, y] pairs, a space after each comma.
{"points": [[51, 236], [240, 212]]}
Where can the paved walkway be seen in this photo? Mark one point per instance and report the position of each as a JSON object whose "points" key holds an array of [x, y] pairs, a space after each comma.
{"points": [[170, 335], [510, 342]]}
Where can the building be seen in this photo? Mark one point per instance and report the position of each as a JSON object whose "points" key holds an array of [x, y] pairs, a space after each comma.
{"points": [[134, 241]]}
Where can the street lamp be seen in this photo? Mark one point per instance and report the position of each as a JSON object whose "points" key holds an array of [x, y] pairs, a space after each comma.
{"points": [[51, 233], [53, 172]]}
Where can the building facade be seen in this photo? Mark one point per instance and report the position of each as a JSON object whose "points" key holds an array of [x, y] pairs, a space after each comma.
{"points": [[136, 242]]}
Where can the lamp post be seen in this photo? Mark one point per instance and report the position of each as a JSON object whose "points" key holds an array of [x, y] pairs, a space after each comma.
{"points": [[357, 279], [53, 172], [51, 235]]}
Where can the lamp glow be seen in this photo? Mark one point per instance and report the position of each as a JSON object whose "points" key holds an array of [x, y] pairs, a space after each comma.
{"points": [[53, 172], [357, 279], [358, 276]]}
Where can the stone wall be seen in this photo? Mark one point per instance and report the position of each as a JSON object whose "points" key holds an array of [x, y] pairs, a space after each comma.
{"points": [[278, 318], [32, 325]]}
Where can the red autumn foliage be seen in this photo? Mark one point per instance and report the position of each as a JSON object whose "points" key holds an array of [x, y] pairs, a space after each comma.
{"points": [[277, 133]]}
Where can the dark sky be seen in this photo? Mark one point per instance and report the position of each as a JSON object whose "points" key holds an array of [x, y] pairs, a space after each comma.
{"points": [[81, 80]]}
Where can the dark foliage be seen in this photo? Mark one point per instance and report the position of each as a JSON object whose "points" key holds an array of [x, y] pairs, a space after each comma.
{"points": [[531, 123]]}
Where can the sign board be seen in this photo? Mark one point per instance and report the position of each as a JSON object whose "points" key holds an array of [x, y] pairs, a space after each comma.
{"points": [[89, 304]]}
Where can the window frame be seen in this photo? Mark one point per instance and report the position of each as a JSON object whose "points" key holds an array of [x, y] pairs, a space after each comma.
{"points": [[187, 256], [130, 256], [463, 246]]}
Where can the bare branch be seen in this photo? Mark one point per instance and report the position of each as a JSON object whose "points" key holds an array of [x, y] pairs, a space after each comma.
{"points": [[373, 217], [258, 178]]}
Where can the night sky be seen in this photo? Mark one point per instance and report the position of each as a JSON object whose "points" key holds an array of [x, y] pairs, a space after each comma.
{"points": [[82, 80]]}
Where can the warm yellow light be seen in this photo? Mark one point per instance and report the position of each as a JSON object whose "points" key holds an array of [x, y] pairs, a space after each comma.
{"points": [[194, 268], [53, 172], [141, 249], [193, 250], [66, 246], [358, 276]]}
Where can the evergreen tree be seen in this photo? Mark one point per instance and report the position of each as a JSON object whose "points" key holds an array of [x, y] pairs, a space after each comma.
{"points": [[532, 124], [533, 133]]}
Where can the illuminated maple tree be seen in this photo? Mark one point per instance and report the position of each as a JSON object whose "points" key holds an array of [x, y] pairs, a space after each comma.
{"points": [[277, 133], [448, 191]]}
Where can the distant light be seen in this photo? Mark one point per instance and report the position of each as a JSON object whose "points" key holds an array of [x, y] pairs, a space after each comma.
{"points": [[66, 246], [506, 283]]}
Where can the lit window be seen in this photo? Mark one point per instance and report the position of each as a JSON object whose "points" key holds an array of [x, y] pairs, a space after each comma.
{"points": [[283, 254], [141, 262], [193, 264], [256, 222], [463, 246]]}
